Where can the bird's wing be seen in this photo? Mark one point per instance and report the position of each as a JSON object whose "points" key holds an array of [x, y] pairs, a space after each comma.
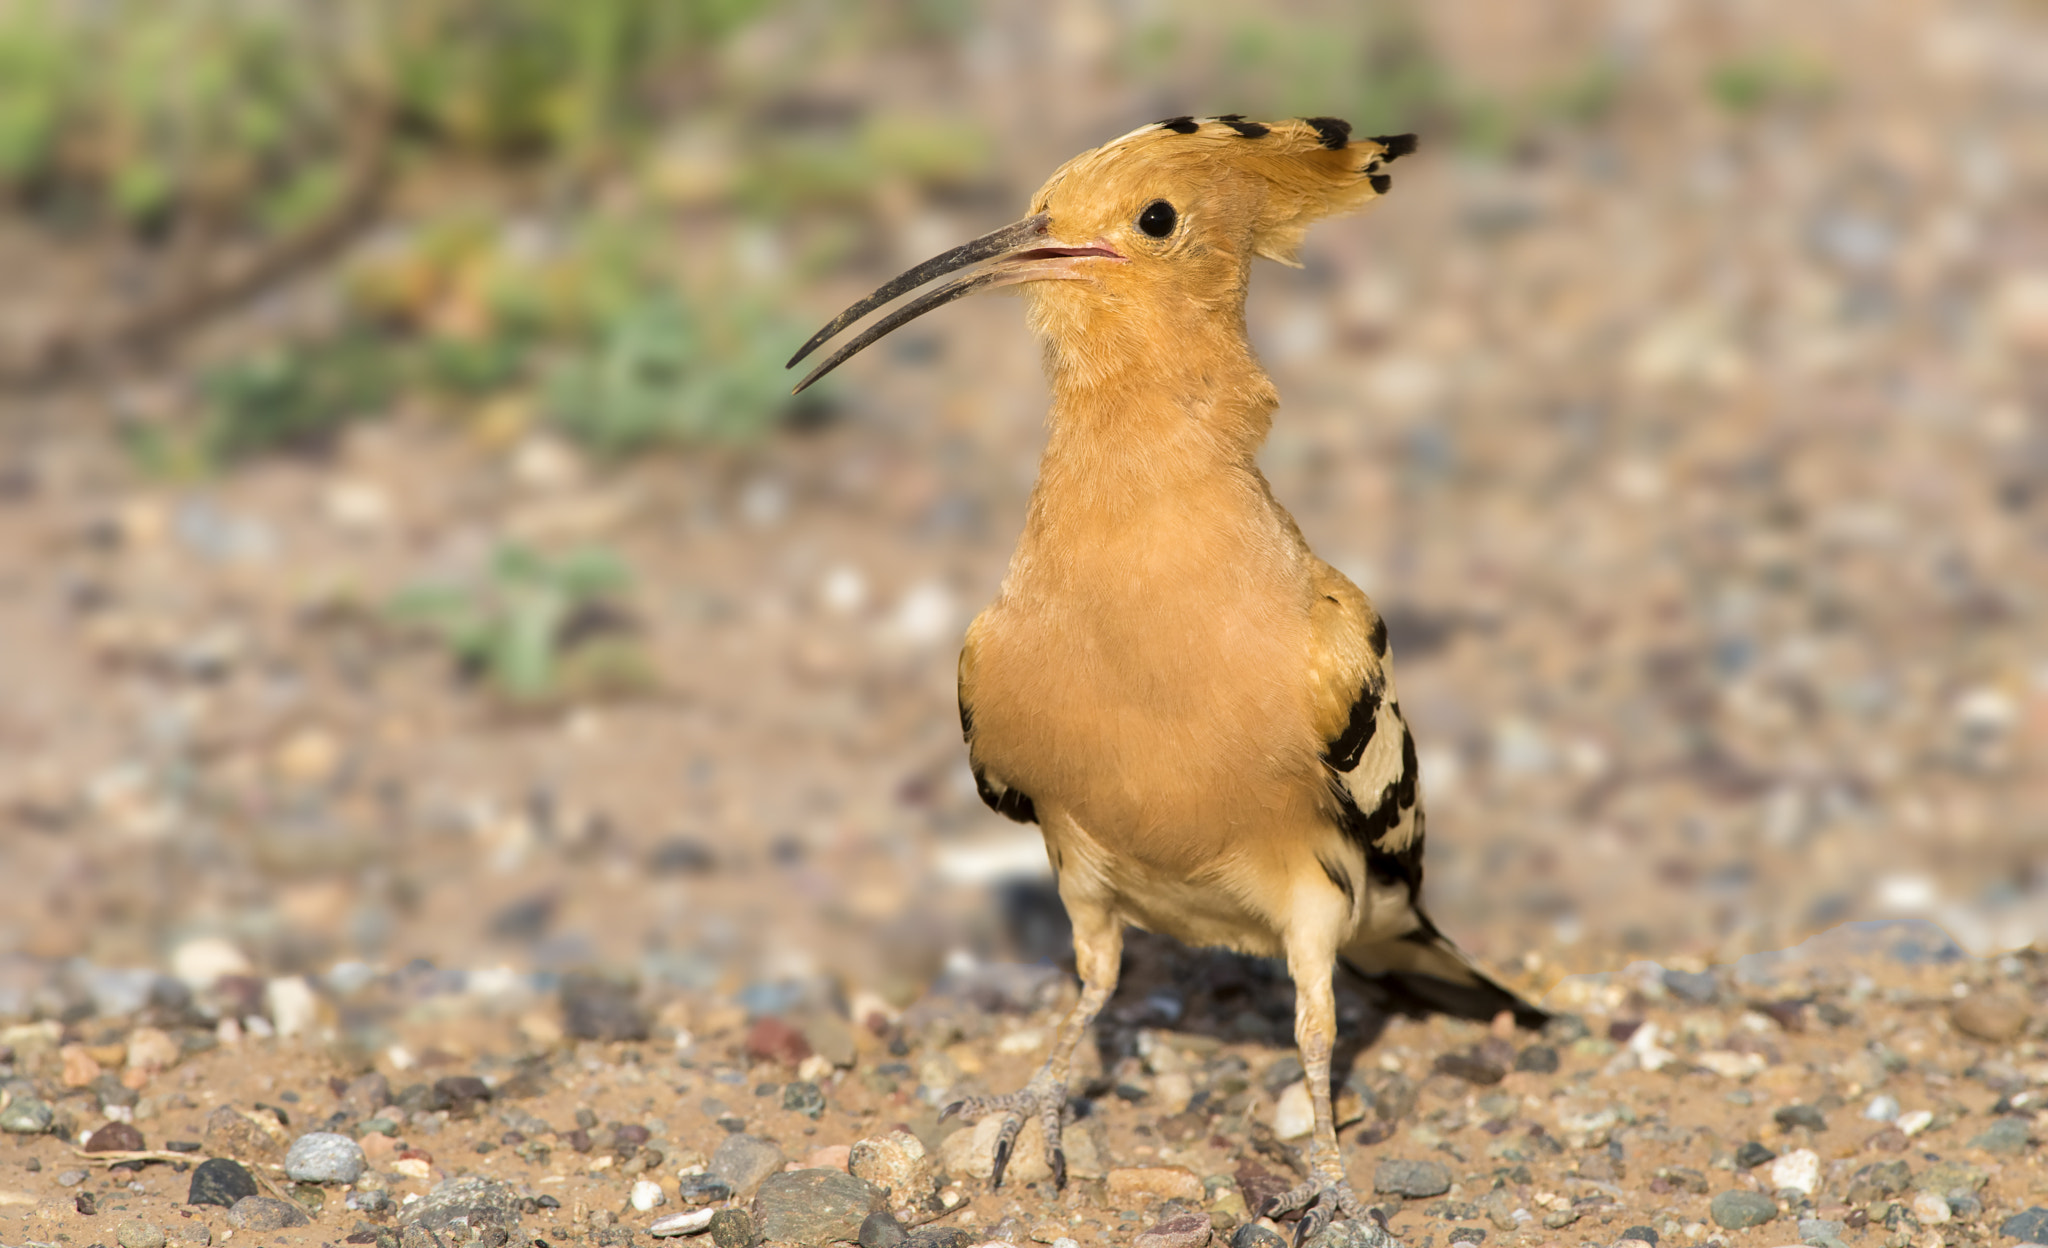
{"points": [[999, 796], [1368, 753]]}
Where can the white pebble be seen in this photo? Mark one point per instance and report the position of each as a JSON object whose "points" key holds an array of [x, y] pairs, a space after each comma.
{"points": [[1882, 1109], [1930, 1209], [1798, 1170], [646, 1195], [1294, 1115], [1915, 1122], [694, 1222]]}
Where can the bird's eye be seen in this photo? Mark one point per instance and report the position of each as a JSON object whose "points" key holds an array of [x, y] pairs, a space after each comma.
{"points": [[1158, 219]]}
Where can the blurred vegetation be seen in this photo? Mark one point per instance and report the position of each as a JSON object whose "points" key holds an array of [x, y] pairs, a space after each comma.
{"points": [[1773, 76], [536, 629]]}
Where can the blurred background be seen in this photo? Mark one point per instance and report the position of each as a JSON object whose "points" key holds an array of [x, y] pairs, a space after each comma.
{"points": [[410, 556]]}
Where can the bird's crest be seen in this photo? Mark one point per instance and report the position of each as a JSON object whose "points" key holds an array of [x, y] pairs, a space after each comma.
{"points": [[1309, 168]]}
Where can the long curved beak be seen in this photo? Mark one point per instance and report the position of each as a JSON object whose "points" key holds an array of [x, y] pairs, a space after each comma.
{"points": [[1022, 252]]}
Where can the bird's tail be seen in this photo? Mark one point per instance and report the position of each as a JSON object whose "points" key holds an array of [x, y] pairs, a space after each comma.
{"points": [[1424, 973]]}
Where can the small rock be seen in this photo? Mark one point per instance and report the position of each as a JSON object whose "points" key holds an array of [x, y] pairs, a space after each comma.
{"points": [[812, 1206], [896, 1163], [804, 1097], [1538, 1059], [79, 1068], [1882, 1109], [1363, 1233], [1798, 1170], [135, 1233], [829, 1036], [365, 1095], [114, 1137], [1186, 1230], [151, 1049], [1944, 1177], [1800, 1116], [1294, 1113], [596, 1008], [1929, 1209], [244, 1137], [462, 1094], [1132, 1186], [702, 1189], [1695, 987], [70, 1178], [193, 1232], [1642, 1235], [772, 1040], [2006, 1135], [733, 1228], [220, 1181], [694, 1222], [2029, 1226], [324, 1157], [1753, 1154], [881, 1230], [1739, 1210], [940, 1237], [647, 1195], [26, 1115], [1414, 1179], [1879, 1180], [489, 1210], [1989, 1017], [266, 1213], [972, 1152], [742, 1161], [1252, 1235], [1474, 1235], [1472, 1066]]}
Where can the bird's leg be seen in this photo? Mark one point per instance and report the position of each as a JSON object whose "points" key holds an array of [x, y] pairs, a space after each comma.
{"points": [[1098, 953], [1327, 1192]]}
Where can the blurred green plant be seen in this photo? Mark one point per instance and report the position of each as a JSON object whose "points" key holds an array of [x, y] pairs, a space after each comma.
{"points": [[1754, 80], [537, 628]]}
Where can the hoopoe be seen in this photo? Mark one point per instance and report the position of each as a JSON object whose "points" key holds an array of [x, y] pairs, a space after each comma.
{"points": [[1196, 711]]}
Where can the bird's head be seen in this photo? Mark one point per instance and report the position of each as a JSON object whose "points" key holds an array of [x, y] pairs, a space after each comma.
{"points": [[1150, 235]]}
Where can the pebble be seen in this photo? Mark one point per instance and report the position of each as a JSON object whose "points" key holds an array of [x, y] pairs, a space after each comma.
{"points": [[882, 1230], [461, 1094], [229, 1133], [152, 1049], [1753, 1154], [896, 1163], [1252, 1235], [1294, 1113], [1882, 1109], [1930, 1209], [1695, 987], [487, 1208], [1800, 1116], [1130, 1185], [2007, 1135], [220, 1181], [26, 1115], [597, 1008], [742, 1161], [733, 1228], [1989, 1017], [1738, 1210], [702, 1189], [324, 1157], [694, 1222], [70, 1178], [647, 1195], [2028, 1226], [1413, 1179], [812, 1206], [1798, 1170], [1187, 1230], [1363, 1233], [772, 1040], [804, 1098], [365, 1095], [134, 1233], [266, 1213], [1538, 1059], [194, 1232]]}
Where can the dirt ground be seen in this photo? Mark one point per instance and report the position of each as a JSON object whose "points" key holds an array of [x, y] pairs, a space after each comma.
{"points": [[1699, 462]]}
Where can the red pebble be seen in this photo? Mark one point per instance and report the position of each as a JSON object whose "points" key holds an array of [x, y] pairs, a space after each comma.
{"points": [[772, 1040]]}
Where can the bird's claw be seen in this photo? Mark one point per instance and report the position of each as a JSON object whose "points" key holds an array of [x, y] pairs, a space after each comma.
{"points": [[1322, 1201], [1049, 1103]]}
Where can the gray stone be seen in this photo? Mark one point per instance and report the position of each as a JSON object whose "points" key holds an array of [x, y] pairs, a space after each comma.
{"points": [[266, 1213], [324, 1157], [733, 1228], [1252, 1235], [939, 1237], [489, 1210], [702, 1189], [1363, 1233], [1821, 1232], [1414, 1179], [1696, 987], [1752, 1154], [882, 1230], [1944, 1177], [70, 1178], [744, 1160], [1737, 1211], [27, 1115], [192, 1231], [1801, 1116], [2029, 1226], [1183, 1230], [135, 1233], [805, 1098], [813, 1207], [2007, 1135], [220, 1181], [596, 1008], [1878, 1180]]}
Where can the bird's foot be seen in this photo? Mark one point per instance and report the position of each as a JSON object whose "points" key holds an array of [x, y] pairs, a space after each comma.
{"points": [[1322, 1201], [1044, 1096]]}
